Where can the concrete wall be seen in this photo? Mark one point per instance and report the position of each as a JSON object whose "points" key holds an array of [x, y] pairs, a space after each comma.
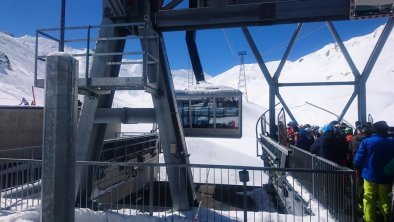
{"points": [[21, 126]]}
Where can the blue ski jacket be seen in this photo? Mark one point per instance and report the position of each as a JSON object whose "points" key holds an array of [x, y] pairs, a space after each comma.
{"points": [[372, 155]]}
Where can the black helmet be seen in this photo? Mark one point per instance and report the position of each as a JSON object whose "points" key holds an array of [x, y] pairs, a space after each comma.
{"points": [[380, 128]]}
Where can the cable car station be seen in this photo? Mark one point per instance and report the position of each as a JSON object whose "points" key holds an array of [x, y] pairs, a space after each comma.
{"points": [[203, 110]]}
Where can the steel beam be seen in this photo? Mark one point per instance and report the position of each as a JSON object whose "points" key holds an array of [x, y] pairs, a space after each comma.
{"points": [[282, 101], [194, 56], [344, 51], [257, 55], [170, 128], [362, 101], [362, 94], [272, 83], [125, 115], [346, 108], [287, 52], [246, 13], [62, 25], [104, 83], [378, 49], [349, 83], [90, 135], [272, 117]]}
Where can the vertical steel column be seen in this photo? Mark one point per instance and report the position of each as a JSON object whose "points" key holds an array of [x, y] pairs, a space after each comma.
{"points": [[170, 128], [60, 120], [194, 56], [272, 117], [362, 101], [87, 53], [36, 62], [273, 87], [276, 76], [62, 25], [272, 81], [282, 101], [193, 51], [362, 95], [90, 136]]}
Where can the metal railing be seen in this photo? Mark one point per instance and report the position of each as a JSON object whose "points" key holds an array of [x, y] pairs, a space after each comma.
{"points": [[133, 148], [337, 204], [30, 152], [339, 199], [130, 134], [80, 36], [224, 193], [20, 183]]}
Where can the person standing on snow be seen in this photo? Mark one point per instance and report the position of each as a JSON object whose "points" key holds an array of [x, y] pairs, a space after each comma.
{"points": [[372, 156], [24, 102]]}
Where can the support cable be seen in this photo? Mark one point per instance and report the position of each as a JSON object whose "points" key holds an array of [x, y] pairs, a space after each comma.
{"points": [[229, 44]]}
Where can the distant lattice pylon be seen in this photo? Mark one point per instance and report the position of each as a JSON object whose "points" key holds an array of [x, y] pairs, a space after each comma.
{"points": [[242, 76]]}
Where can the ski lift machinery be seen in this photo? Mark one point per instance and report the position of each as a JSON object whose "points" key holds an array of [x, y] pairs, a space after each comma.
{"points": [[207, 110]]}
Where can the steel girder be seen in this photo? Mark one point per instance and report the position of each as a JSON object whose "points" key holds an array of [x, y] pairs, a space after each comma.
{"points": [[194, 56], [170, 128], [224, 14]]}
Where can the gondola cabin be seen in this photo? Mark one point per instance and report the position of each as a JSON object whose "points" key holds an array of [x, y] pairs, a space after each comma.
{"points": [[207, 110]]}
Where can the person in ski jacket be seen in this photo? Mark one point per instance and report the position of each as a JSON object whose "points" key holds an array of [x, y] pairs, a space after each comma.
{"points": [[372, 155], [329, 146], [305, 140], [362, 131]]}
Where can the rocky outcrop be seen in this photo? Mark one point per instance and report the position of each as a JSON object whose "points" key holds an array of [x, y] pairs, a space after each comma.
{"points": [[5, 61]]}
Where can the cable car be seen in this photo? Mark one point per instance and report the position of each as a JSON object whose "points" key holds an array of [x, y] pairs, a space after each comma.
{"points": [[372, 7], [207, 110]]}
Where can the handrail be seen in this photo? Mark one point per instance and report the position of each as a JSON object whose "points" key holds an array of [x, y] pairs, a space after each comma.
{"points": [[232, 167], [147, 59], [257, 133], [319, 158]]}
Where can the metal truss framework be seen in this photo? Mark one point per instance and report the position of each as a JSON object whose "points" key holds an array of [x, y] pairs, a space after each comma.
{"points": [[359, 83]]}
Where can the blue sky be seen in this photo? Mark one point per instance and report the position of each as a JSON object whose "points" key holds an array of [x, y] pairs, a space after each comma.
{"points": [[218, 48]]}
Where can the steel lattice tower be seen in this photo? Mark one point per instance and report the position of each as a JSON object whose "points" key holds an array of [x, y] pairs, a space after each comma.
{"points": [[242, 77]]}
